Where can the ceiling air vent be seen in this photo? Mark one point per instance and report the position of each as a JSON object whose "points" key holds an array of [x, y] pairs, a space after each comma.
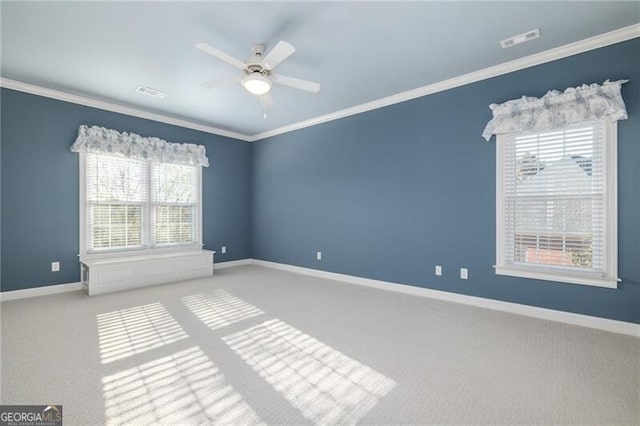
{"points": [[151, 92], [520, 38]]}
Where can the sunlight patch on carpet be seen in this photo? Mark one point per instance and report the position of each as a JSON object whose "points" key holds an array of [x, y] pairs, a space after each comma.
{"points": [[219, 308], [185, 387], [325, 385], [131, 331]]}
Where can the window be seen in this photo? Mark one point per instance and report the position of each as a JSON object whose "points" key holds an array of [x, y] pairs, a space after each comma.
{"points": [[174, 197], [131, 204], [556, 204]]}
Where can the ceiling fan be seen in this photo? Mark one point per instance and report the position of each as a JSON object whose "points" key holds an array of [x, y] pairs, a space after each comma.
{"points": [[258, 77]]}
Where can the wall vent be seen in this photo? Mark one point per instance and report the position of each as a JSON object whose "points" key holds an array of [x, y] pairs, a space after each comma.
{"points": [[520, 38], [151, 92]]}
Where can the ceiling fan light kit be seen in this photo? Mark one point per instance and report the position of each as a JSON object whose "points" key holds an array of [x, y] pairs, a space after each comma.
{"points": [[256, 84], [259, 79]]}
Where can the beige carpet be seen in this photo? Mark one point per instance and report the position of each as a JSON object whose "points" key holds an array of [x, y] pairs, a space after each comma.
{"points": [[259, 346]]}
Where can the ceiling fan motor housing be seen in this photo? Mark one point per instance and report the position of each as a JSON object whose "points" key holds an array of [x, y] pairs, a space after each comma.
{"points": [[256, 69], [257, 81]]}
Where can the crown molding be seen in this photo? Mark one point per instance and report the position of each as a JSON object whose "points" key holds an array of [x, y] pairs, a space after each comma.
{"points": [[591, 43], [113, 107]]}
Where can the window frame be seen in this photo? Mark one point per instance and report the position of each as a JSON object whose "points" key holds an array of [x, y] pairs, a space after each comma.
{"points": [[149, 248], [609, 277]]}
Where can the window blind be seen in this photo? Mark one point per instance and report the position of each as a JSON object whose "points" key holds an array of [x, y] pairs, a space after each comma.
{"points": [[117, 195], [554, 198], [175, 196]]}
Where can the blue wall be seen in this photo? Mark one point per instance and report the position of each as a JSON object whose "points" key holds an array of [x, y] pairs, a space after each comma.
{"points": [[39, 194], [390, 193]]}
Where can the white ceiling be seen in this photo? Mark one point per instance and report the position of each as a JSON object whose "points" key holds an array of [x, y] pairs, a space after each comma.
{"points": [[358, 52]]}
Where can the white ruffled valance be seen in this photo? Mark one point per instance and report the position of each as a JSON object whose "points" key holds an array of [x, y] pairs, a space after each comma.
{"points": [[558, 109], [106, 141]]}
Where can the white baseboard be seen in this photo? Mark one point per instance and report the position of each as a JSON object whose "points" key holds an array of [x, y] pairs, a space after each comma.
{"points": [[39, 291], [605, 324], [5, 296], [232, 263]]}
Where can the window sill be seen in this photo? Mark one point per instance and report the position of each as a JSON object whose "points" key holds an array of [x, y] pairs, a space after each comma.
{"points": [[140, 252], [129, 258], [549, 276]]}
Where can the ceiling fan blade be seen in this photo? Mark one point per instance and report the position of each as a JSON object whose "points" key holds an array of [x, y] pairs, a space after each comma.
{"points": [[296, 83], [279, 53], [217, 83], [221, 55]]}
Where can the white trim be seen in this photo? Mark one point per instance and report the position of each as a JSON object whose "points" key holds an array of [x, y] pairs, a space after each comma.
{"points": [[5, 296], [129, 272], [557, 277], [232, 264], [605, 324], [591, 43], [611, 193], [200, 203], [602, 40], [149, 247], [608, 277], [500, 230], [113, 107], [82, 198], [614, 326]]}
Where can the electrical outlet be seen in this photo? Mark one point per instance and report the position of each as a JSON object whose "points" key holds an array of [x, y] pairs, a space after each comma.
{"points": [[55, 266], [224, 249], [464, 273], [319, 255], [438, 270]]}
